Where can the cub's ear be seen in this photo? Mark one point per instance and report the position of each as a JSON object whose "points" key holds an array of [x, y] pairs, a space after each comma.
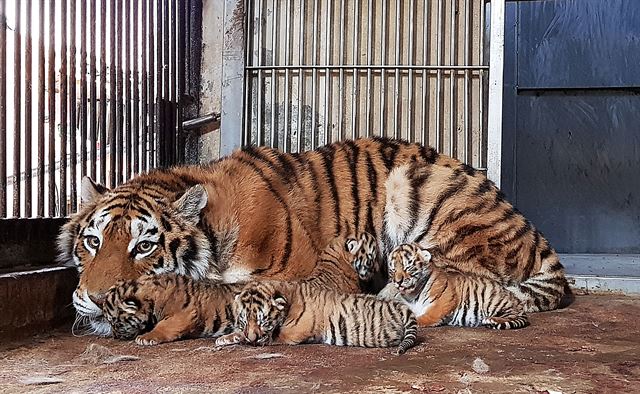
{"points": [[279, 301], [191, 203], [130, 305], [90, 191], [352, 245], [426, 255]]}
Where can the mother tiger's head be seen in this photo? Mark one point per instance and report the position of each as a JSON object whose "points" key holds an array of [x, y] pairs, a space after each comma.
{"points": [[132, 230]]}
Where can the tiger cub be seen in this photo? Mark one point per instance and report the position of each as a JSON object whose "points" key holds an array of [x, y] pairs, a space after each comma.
{"points": [[276, 312], [163, 308], [347, 264], [442, 296]]}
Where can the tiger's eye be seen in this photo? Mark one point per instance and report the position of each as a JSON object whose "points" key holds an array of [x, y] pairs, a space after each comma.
{"points": [[144, 247], [92, 241]]}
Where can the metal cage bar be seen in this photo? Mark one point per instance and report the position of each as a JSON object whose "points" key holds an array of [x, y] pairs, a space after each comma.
{"points": [[62, 112], [422, 79]]}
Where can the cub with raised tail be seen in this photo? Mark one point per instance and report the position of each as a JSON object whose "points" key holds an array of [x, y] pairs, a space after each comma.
{"points": [[442, 296], [163, 308]]}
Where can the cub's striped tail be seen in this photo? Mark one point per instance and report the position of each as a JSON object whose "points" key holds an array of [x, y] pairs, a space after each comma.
{"points": [[410, 333], [506, 323], [544, 290]]}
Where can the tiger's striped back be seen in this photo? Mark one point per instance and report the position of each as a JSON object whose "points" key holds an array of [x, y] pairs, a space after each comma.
{"points": [[441, 296], [324, 316]]}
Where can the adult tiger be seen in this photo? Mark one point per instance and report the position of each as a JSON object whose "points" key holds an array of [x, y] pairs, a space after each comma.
{"points": [[258, 213]]}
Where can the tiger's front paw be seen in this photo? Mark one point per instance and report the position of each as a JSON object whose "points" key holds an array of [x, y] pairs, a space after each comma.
{"points": [[147, 340], [230, 339]]}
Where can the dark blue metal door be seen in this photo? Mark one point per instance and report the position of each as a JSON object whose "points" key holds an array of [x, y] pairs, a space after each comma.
{"points": [[571, 160]]}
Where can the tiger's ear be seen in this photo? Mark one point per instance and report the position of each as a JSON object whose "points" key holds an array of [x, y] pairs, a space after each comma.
{"points": [[426, 255], [130, 305], [352, 245], [191, 203], [279, 301], [89, 190]]}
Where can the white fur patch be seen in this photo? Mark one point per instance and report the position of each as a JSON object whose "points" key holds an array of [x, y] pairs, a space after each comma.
{"points": [[397, 214], [236, 274]]}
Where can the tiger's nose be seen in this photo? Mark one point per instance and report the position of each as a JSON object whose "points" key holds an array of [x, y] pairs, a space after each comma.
{"points": [[97, 299], [251, 337]]}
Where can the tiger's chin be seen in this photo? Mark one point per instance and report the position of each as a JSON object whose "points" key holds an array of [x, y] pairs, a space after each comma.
{"points": [[91, 325]]}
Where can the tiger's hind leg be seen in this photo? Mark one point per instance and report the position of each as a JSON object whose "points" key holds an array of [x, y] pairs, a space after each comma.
{"points": [[506, 322], [169, 329]]}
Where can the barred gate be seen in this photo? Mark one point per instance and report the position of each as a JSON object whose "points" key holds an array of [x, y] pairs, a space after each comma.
{"points": [[318, 71], [88, 87]]}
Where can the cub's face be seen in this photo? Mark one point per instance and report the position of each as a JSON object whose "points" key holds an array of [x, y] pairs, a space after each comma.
{"points": [[363, 250], [127, 232], [408, 265], [127, 314], [261, 310]]}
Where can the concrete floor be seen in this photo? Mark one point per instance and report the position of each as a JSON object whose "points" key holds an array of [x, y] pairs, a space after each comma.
{"points": [[593, 346]]}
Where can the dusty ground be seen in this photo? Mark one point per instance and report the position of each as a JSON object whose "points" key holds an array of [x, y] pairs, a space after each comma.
{"points": [[593, 346]]}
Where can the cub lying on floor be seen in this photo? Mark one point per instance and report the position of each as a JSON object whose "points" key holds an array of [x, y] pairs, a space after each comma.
{"points": [[441, 296], [306, 312], [163, 308]]}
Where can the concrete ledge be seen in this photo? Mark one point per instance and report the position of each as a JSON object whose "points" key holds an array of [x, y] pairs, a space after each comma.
{"points": [[605, 284], [35, 300]]}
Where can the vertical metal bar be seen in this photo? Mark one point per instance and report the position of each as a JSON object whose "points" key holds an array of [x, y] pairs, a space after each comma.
{"points": [[41, 101], [301, 44], [119, 150], [113, 109], [28, 110], [248, 74], [452, 87], [369, 55], [260, 90], [73, 126], [327, 76], [167, 126], [341, 95], [172, 78], [439, 34], [314, 75], [93, 115], [410, 131], [144, 87], [496, 76], [52, 109], [151, 99], [63, 110], [17, 106], [274, 78], [396, 81], [467, 129], [425, 73], [181, 64], [83, 87], [287, 55], [3, 108], [356, 57], [481, 163], [159, 91], [383, 72], [103, 92], [136, 93], [127, 87]]}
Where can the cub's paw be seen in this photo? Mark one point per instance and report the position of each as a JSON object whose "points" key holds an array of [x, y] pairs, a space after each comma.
{"points": [[146, 340], [229, 339], [365, 251]]}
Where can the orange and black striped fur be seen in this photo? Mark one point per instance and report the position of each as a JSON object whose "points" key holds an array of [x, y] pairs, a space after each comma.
{"points": [[293, 313], [442, 296], [461, 216], [155, 309], [263, 214], [347, 263]]}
